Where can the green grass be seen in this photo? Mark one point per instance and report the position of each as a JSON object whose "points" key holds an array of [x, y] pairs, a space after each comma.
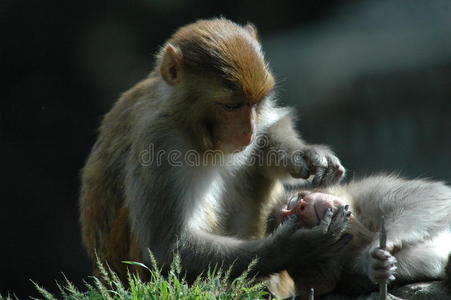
{"points": [[214, 284]]}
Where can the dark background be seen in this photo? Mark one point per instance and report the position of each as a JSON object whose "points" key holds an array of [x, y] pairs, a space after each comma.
{"points": [[371, 79]]}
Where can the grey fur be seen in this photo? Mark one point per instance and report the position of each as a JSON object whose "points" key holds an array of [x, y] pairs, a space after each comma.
{"points": [[417, 217]]}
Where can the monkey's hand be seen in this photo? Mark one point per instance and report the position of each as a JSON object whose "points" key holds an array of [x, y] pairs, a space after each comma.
{"points": [[381, 265], [319, 161], [304, 248]]}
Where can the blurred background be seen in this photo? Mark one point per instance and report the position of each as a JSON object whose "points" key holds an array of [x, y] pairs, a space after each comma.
{"points": [[370, 78]]}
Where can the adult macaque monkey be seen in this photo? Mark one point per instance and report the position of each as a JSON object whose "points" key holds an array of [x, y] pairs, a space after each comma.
{"points": [[417, 217], [178, 163]]}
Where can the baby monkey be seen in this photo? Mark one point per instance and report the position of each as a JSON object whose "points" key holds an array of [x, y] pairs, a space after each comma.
{"points": [[417, 217]]}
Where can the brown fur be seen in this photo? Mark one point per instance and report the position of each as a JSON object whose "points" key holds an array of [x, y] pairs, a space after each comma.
{"points": [[104, 220], [219, 46]]}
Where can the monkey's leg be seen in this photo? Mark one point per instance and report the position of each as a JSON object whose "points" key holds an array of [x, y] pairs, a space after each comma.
{"points": [[426, 261]]}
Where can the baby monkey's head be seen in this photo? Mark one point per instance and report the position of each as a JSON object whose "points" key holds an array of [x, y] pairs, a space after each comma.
{"points": [[310, 206]]}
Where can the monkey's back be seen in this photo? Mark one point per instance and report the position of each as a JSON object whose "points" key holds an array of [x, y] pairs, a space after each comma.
{"points": [[103, 214]]}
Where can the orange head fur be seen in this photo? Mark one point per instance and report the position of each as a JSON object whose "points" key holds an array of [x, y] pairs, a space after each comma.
{"points": [[219, 46], [220, 71]]}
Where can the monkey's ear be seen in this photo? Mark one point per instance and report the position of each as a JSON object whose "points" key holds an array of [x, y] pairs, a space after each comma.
{"points": [[252, 30], [171, 62]]}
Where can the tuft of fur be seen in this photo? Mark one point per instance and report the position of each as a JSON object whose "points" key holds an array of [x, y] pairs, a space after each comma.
{"points": [[220, 46]]}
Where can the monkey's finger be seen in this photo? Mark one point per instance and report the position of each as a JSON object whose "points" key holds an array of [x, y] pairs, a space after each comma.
{"points": [[383, 275], [339, 221], [338, 217], [316, 156], [299, 167], [381, 254], [329, 177], [335, 171], [336, 165], [392, 260], [320, 172], [383, 265], [326, 220]]}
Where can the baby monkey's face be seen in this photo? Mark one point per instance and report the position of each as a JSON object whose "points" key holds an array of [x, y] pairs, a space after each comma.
{"points": [[310, 207]]}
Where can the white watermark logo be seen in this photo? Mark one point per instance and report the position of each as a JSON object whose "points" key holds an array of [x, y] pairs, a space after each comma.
{"points": [[260, 154]]}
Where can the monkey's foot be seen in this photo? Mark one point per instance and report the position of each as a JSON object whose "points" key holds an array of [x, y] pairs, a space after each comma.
{"points": [[382, 266]]}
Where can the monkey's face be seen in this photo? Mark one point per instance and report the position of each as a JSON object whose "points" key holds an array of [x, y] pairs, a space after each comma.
{"points": [[234, 125], [208, 60], [311, 206]]}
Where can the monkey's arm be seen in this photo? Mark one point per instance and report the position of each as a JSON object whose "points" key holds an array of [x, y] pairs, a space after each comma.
{"points": [[275, 253], [301, 159], [161, 211]]}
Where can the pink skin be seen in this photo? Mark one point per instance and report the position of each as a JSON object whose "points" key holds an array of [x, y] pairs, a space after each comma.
{"points": [[311, 206], [235, 129]]}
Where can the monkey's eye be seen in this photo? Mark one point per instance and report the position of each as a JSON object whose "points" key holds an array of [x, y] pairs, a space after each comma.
{"points": [[230, 107]]}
